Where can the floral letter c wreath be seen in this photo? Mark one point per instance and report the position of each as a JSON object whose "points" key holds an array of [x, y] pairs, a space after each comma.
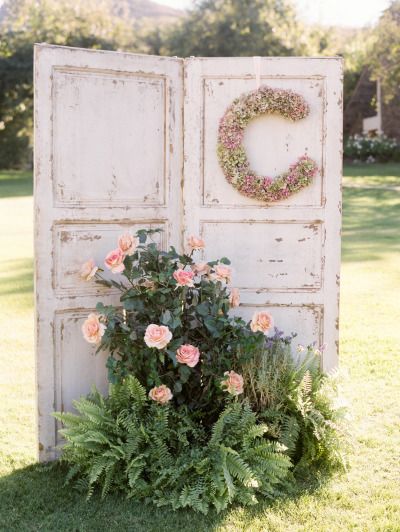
{"points": [[232, 155]]}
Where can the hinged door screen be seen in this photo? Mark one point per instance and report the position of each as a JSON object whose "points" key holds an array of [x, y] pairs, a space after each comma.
{"points": [[114, 141]]}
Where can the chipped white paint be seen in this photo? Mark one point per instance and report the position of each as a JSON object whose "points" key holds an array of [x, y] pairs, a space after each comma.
{"points": [[286, 255], [109, 140], [108, 157]]}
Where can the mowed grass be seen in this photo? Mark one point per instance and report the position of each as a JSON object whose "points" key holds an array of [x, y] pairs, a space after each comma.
{"points": [[367, 498]]}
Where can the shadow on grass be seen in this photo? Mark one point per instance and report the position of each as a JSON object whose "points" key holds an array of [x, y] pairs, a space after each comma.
{"points": [[35, 498], [20, 279], [370, 224]]}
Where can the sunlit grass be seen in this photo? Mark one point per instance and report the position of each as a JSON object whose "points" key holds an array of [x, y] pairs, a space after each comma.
{"points": [[367, 498], [17, 425]]}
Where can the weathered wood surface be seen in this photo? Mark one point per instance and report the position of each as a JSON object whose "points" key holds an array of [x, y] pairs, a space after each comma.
{"points": [[116, 137], [108, 157], [286, 255]]}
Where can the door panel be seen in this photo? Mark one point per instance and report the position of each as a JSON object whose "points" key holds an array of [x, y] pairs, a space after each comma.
{"points": [[108, 158], [285, 255], [272, 143]]}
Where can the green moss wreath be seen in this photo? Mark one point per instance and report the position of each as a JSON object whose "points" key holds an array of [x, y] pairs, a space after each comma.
{"points": [[232, 155]]}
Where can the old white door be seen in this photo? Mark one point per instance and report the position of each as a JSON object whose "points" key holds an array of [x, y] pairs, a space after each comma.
{"points": [[286, 256], [108, 157], [109, 138]]}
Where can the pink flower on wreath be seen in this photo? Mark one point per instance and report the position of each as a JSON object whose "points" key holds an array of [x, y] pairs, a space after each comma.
{"points": [[157, 336], [93, 329], [196, 243], [222, 273], [88, 270], [234, 298], [201, 268], [233, 383], [161, 394], [261, 322], [128, 244], [115, 261], [183, 277], [188, 354]]}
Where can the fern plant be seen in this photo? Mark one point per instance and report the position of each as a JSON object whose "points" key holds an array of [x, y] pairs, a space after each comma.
{"points": [[297, 400], [126, 442], [204, 409]]}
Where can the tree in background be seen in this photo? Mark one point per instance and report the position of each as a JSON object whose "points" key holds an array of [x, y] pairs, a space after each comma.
{"points": [[236, 28], [385, 53], [212, 28], [221, 27], [85, 23]]}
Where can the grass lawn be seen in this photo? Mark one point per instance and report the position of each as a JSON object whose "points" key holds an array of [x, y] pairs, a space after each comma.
{"points": [[367, 498]]}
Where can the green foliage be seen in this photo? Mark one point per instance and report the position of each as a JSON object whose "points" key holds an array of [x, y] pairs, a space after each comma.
{"points": [[82, 23], [212, 28], [299, 403], [220, 28], [371, 148], [31, 499], [195, 445], [156, 453], [197, 315], [385, 53]]}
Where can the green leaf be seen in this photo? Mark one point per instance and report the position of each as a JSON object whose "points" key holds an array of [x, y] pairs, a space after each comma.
{"points": [[172, 355], [166, 317], [142, 235], [184, 372], [203, 309], [177, 387]]}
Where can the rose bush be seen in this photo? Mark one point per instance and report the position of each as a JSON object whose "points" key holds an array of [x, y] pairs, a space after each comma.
{"points": [[174, 327], [204, 408]]}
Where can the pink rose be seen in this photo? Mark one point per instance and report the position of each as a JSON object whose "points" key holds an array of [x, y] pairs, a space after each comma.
{"points": [[92, 329], [157, 336], [222, 273], [188, 354], [234, 298], [201, 268], [88, 270], [128, 244], [233, 383], [183, 277], [162, 394], [261, 321], [196, 243], [115, 261]]}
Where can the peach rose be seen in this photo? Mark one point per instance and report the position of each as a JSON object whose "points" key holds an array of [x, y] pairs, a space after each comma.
{"points": [[188, 354], [234, 298], [128, 244], [115, 261], [157, 336], [201, 268], [92, 329], [261, 321], [88, 270], [222, 273], [233, 383], [183, 277], [162, 394], [195, 243]]}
